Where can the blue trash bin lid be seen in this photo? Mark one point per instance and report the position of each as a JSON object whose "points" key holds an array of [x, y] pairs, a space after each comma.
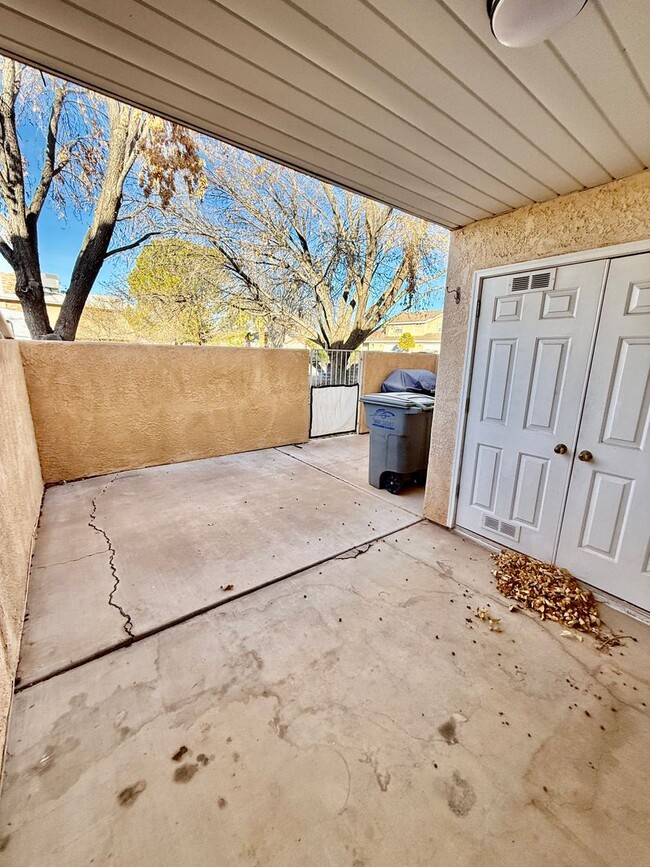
{"points": [[418, 380]]}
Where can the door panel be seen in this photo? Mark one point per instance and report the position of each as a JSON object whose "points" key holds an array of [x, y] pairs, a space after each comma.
{"points": [[530, 487], [486, 474], [498, 380], [626, 413], [530, 367], [549, 367], [606, 513], [605, 536]]}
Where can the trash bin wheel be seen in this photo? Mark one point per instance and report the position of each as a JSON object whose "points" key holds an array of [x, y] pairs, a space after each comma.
{"points": [[393, 483]]}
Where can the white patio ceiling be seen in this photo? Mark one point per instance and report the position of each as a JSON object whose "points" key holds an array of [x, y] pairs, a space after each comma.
{"points": [[413, 103]]}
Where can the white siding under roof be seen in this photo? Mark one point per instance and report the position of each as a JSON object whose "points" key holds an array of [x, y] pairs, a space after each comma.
{"points": [[413, 103]]}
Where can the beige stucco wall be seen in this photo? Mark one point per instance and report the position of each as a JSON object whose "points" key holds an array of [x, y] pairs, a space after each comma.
{"points": [[377, 366], [615, 213], [99, 408], [21, 489]]}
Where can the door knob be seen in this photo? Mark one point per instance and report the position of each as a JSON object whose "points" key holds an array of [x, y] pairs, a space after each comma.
{"points": [[585, 456], [560, 449]]}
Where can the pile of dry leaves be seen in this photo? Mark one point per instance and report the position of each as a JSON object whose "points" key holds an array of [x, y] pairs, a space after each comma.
{"points": [[550, 591]]}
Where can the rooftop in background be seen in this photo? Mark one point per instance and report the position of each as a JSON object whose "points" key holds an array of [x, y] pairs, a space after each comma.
{"points": [[13, 312], [11, 307], [51, 284], [413, 317], [425, 326]]}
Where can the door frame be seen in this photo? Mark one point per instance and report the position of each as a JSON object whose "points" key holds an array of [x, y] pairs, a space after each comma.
{"points": [[611, 252]]}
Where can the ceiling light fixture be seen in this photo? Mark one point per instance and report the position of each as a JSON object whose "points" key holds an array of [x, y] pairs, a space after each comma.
{"points": [[522, 23]]}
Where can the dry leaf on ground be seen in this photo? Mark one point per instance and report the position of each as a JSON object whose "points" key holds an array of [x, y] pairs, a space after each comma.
{"points": [[552, 592], [494, 622]]}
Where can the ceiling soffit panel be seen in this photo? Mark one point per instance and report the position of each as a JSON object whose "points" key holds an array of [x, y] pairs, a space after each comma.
{"points": [[413, 104]]}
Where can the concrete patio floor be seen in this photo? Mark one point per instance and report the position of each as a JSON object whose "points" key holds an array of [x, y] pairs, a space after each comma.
{"points": [[346, 458], [173, 536], [354, 713]]}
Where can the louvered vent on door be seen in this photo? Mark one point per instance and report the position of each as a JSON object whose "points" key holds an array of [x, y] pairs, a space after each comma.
{"points": [[534, 280], [504, 528], [520, 283]]}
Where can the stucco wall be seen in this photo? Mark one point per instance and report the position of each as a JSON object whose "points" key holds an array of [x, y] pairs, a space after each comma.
{"points": [[100, 408], [21, 488], [377, 366], [615, 213]]}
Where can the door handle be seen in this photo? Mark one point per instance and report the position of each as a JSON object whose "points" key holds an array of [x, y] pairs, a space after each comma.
{"points": [[585, 456], [560, 449]]}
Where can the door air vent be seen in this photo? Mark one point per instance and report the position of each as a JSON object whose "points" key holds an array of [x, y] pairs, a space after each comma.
{"points": [[510, 530], [520, 283], [540, 280], [534, 281], [504, 528]]}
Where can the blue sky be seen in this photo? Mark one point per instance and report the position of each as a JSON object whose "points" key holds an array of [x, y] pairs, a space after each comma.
{"points": [[59, 241], [59, 238]]}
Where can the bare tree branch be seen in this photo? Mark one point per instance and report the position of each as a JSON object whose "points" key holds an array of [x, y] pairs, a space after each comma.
{"points": [[132, 245], [50, 168], [329, 264]]}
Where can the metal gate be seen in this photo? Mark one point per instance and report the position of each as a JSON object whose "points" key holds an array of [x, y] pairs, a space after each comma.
{"points": [[334, 376]]}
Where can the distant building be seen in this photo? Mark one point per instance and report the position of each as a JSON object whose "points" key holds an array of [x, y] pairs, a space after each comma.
{"points": [[51, 283], [425, 326], [100, 319], [10, 304]]}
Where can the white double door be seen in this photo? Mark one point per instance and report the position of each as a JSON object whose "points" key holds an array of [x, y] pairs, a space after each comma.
{"points": [[556, 458]]}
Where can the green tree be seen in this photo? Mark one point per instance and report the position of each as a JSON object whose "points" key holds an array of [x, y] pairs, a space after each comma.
{"points": [[105, 161], [174, 293], [406, 342]]}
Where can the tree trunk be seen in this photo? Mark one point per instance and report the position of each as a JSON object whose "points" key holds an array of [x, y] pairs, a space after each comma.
{"points": [[87, 267], [125, 125], [29, 285], [29, 290], [353, 341], [21, 251]]}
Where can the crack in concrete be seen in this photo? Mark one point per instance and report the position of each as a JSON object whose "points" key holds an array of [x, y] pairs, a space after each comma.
{"points": [[192, 615], [353, 553], [128, 623], [72, 560]]}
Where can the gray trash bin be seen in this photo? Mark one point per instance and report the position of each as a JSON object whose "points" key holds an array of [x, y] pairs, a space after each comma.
{"points": [[400, 430]]}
